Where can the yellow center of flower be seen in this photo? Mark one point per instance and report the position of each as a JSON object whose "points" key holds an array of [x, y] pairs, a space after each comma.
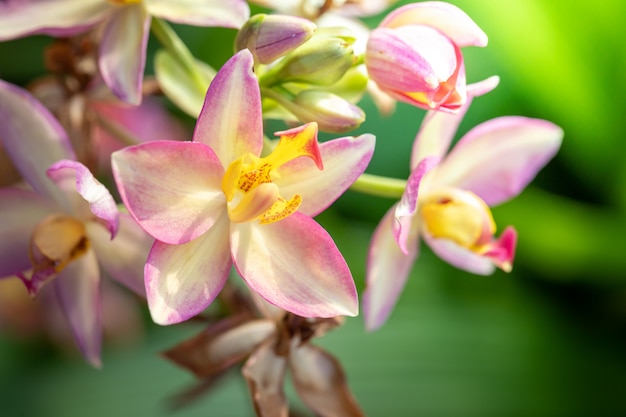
{"points": [[56, 241], [460, 216], [248, 185]]}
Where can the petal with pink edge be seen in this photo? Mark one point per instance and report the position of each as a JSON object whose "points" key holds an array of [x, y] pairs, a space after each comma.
{"points": [[78, 290], [388, 269], [182, 280], [122, 56], [407, 206], [459, 257], [497, 159], [33, 138], [124, 257], [20, 211], [321, 382], [344, 160], [445, 17], [173, 189], [438, 128], [295, 265], [230, 14], [265, 373], [72, 175], [60, 18], [230, 121]]}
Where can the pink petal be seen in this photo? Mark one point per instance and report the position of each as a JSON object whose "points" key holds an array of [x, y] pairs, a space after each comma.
{"points": [[230, 121], [295, 265], [78, 290], [230, 14], [265, 373], [124, 257], [20, 211], [409, 59], [123, 51], [502, 250], [182, 280], [459, 257], [321, 382], [33, 138], [407, 206], [344, 160], [72, 174], [388, 269], [60, 18], [438, 128], [445, 17], [221, 346], [498, 158], [173, 189]]}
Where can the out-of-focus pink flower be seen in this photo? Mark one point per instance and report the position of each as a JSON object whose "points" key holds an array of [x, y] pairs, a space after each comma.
{"points": [[447, 199], [215, 201], [414, 55], [62, 231], [126, 26]]}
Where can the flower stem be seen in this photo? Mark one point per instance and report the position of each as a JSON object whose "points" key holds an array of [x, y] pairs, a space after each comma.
{"points": [[379, 186], [177, 48]]}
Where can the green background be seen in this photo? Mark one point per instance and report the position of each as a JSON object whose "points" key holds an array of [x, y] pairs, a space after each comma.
{"points": [[548, 339]]}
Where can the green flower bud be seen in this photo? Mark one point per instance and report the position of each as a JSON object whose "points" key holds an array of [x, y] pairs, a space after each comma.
{"points": [[269, 37], [332, 113], [322, 60]]}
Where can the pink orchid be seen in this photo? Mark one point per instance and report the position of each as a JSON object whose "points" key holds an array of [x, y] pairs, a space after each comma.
{"points": [[215, 201], [414, 55], [61, 232], [447, 199], [126, 26]]}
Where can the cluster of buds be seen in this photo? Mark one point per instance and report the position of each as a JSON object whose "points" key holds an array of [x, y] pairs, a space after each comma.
{"points": [[306, 73]]}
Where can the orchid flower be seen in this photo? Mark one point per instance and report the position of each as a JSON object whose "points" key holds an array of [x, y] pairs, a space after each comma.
{"points": [[414, 55], [61, 231], [447, 199], [214, 201], [126, 26], [272, 345]]}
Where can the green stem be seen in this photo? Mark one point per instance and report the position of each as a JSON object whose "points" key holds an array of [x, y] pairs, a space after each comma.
{"points": [[379, 186], [177, 48]]}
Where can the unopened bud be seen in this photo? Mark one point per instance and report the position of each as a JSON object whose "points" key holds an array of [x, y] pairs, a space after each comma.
{"points": [[322, 60], [269, 37], [332, 113]]}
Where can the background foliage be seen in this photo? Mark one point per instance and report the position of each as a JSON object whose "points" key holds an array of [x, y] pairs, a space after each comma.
{"points": [[546, 340]]}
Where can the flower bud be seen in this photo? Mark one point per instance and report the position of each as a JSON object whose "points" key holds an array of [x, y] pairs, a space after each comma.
{"points": [[332, 113], [269, 37], [322, 60]]}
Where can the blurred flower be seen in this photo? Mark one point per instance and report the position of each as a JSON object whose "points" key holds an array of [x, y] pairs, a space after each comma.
{"points": [[414, 55], [43, 318], [125, 28], [214, 201], [447, 199], [61, 232], [96, 121], [273, 344]]}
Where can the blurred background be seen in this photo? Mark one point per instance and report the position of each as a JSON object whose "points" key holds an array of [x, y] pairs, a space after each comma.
{"points": [[548, 339]]}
